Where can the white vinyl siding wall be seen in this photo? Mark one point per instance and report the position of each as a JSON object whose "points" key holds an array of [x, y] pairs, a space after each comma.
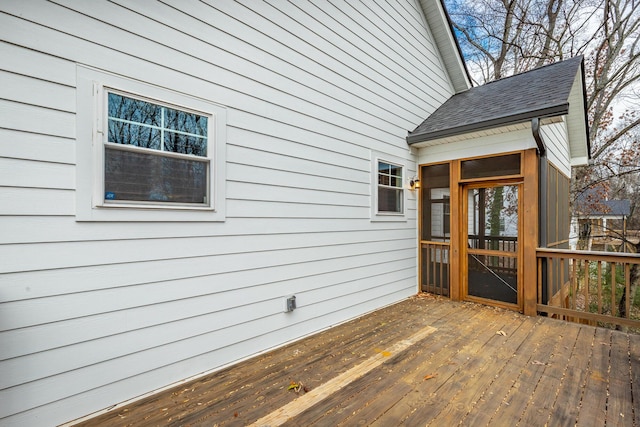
{"points": [[484, 143], [556, 139], [92, 314]]}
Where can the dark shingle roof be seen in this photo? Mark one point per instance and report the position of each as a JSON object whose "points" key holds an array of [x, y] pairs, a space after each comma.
{"points": [[542, 92], [592, 202], [606, 208]]}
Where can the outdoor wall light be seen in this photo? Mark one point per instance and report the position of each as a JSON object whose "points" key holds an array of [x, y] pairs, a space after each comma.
{"points": [[414, 183]]}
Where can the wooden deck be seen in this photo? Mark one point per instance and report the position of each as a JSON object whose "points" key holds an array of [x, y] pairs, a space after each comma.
{"points": [[424, 361]]}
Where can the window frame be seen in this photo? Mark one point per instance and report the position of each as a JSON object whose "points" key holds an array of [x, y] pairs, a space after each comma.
{"points": [[376, 214], [92, 140], [100, 196]]}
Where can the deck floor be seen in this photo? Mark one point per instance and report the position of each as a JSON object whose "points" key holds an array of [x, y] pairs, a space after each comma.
{"points": [[424, 361]]}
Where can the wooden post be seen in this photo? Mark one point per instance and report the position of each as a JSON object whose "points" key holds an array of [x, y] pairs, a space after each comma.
{"points": [[455, 233], [530, 232]]}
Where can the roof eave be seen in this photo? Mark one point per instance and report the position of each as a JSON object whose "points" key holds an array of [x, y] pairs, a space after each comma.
{"points": [[553, 111], [438, 19]]}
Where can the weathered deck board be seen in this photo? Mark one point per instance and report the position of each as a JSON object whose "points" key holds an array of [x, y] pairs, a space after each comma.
{"points": [[544, 397], [344, 405], [634, 360], [536, 371], [593, 408], [441, 376], [619, 410]]}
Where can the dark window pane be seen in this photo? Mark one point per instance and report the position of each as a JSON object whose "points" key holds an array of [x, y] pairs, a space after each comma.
{"points": [[436, 218], [185, 122], [389, 200], [185, 144], [134, 176], [395, 170], [491, 166], [389, 174], [132, 134], [134, 110]]}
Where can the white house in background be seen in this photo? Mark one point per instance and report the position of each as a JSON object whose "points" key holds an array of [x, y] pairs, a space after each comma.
{"points": [[172, 173], [598, 221]]}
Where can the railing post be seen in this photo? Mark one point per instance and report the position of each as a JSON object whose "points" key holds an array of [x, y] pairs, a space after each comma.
{"points": [[565, 268]]}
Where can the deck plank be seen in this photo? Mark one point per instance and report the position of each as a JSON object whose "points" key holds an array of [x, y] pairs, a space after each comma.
{"points": [[497, 394], [619, 408], [539, 371], [539, 410], [634, 361], [477, 379], [535, 375], [344, 406], [593, 405], [450, 368], [429, 373]]}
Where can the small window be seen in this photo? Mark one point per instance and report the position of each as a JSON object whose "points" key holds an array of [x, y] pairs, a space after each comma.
{"points": [[148, 153], [155, 153], [390, 188]]}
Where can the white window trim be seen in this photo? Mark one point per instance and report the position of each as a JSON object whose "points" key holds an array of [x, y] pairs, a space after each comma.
{"points": [[91, 123], [387, 216]]}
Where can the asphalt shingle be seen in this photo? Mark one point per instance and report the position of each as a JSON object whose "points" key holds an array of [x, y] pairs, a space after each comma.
{"points": [[540, 92]]}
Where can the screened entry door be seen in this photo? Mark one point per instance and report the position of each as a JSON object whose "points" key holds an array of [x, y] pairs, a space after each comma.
{"points": [[491, 250]]}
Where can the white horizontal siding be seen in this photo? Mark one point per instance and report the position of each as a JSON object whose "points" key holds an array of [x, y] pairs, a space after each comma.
{"points": [[26, 173], [22, 202], [97, 313], [57, 255], [556, 139], [185, 318], [482, 144], [150, 311], [51, 229], [32, 146], [35, 119], [50, 68]]}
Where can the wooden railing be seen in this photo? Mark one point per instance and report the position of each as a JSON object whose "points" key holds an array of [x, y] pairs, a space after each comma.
{"points": [[495, 243], [590, 287], [435, 267], [499, 264]]}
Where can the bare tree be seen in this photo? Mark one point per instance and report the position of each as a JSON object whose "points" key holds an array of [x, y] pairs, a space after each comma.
{"points": [[504, 37]]}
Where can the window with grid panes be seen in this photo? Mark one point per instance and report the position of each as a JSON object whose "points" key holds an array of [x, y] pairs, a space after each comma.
{"points": [[390, 189], [155, 153]]}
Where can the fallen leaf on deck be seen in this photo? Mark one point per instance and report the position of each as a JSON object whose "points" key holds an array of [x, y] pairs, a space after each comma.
{"points": [[384, 353], [503, 333], [295, 387], [537, 362], [430, 376]]}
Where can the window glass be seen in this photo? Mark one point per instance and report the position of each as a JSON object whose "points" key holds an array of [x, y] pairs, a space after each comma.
{"points": [[151, 174], [390, 191], [135, 176], [491, 166]]}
